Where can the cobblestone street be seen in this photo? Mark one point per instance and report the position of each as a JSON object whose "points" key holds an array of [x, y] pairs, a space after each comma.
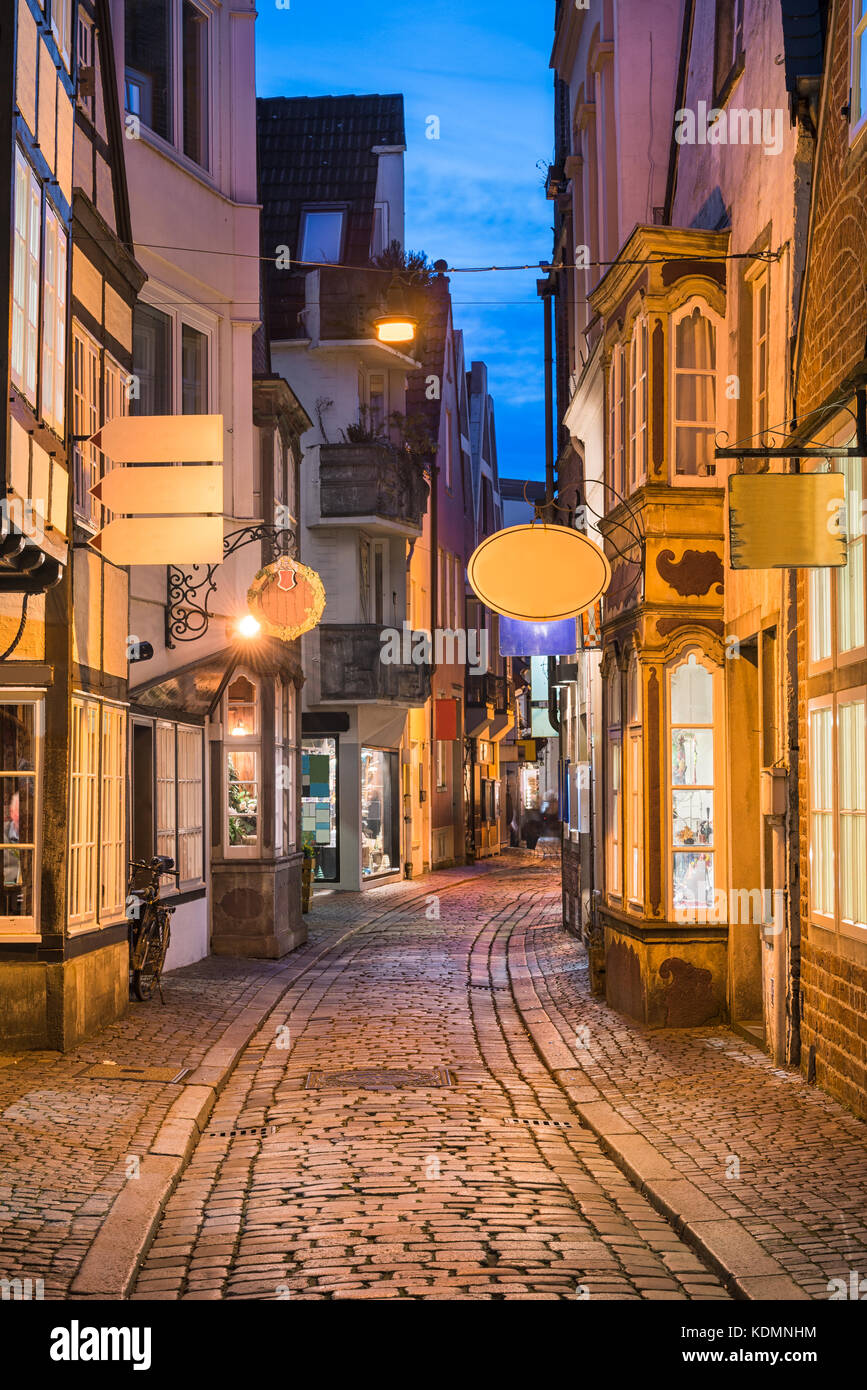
{"points": [[423, 1102]]}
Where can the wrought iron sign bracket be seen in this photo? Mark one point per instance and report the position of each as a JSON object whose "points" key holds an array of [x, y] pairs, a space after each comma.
{"points": [[808, 451], [190, 590]]}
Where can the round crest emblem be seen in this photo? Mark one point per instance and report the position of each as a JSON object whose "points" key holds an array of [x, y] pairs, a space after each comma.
{"points": [[287, 597]]}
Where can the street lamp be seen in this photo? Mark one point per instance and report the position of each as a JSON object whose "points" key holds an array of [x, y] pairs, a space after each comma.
{"points": [[396, 325], [249, 626]]}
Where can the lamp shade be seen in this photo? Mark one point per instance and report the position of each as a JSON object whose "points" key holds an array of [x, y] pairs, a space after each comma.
{"points": [[538, 573]]}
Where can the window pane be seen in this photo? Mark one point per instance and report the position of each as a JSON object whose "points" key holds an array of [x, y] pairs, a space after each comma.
{"points": [[850, 579], [692, 818], [152, 361], [693, 880], [379, 801], [16, 738], [18, 796], [243, 793], [691, 757], [821, 812], [691, 694], [195, 48], [853, 821], [16, 897], [322, 236], [820, 614], [194, 371], [147, 49]]}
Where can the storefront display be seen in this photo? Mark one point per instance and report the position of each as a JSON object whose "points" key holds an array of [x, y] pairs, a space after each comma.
{"points": [[380, 833], [319, 817]]}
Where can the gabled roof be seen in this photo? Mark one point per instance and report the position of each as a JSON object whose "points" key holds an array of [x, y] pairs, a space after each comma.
{"points": [[803, 39], [318, 150]]}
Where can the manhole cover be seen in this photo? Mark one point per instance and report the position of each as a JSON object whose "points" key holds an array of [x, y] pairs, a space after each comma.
{"points": [[377, 1079], [106, 1071]]}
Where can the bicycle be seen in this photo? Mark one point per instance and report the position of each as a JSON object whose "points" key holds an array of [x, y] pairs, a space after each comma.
{"points": [[149, 925]]}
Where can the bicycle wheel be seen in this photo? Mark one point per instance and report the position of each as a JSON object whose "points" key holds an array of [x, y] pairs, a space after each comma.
{"points": [[145, 978]]}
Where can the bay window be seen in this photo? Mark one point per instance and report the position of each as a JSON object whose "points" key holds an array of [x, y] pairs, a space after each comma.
{"points": [[97, 812], [635, 784], [694, 394], [242, 767], [638, 404], [614, 807], [691, 788], [21, 727], [617, 420]]}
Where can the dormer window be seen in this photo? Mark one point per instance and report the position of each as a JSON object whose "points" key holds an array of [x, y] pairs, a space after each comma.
{"points": [[322, 235], [694, 394]]}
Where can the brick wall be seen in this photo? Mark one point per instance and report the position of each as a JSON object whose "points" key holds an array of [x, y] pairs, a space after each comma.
{"points": [[834, 325], [832, 351]]}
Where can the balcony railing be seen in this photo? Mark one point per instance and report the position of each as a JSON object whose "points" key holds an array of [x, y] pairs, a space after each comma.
{"points": [[351, 668], [358, 480]]}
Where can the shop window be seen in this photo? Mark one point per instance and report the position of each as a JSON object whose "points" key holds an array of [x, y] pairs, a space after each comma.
{"points": [[243, 753], [380, 842], [319, 805], [20, 743], [694, 395], [691, 788]]}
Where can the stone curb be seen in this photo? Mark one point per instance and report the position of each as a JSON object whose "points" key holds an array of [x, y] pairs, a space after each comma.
{"points": [[109, 1268], [744, 1266]]}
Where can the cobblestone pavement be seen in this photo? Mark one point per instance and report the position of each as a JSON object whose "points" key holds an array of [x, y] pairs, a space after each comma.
{"points": [[781, 1156], [66, 1139], [469, 1177]]}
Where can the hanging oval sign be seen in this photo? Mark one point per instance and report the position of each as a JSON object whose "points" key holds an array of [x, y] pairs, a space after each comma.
{"points": [[287, 598], [538, 573]]}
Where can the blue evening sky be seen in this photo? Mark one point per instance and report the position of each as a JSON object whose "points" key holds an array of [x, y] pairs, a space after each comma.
{"points": [[473, 197]]}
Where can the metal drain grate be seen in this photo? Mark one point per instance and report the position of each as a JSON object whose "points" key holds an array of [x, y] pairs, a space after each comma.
{"points": [[259, 1131], [492, 989], [377, 1079], [538, 1124], [107, 1071]]}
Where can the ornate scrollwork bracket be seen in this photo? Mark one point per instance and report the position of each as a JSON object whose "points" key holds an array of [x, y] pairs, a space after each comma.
{"points": [[190, 590]]}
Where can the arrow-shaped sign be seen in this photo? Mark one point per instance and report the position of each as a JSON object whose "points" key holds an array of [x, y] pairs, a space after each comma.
{"points": [[162, 439], [195, 488], [172, 540]]}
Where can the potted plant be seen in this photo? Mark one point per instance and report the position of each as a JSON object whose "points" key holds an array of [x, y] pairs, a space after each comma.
{"points": [[307, 866]]}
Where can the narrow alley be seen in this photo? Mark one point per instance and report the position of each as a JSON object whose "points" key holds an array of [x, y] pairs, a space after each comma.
{"points": [[423, 1102]]}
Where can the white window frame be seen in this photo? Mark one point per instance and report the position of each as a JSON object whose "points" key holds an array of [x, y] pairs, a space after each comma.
{"points": [[112, 832], [638, 403], [61, 28], [99, 394], [190, 818], [758, 279], [312, 209], [443, 765], [634, 789], [685, 311], [718, 847], [614, 788], [832, 920], [617, 424], [53, 375], [164, 301], [243, 743], [825, 585], [26, 927]]}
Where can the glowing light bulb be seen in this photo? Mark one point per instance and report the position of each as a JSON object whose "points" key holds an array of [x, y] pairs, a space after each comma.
{"points": [[249, 626]]}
